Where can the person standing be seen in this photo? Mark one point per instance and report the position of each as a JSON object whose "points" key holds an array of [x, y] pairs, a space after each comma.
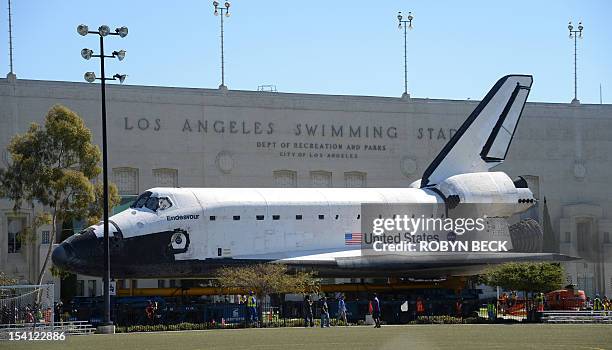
{"points": [[252, 308], [29, 318], [459, 307], [308, 319], [420, 306], [540, 302], [588, 304], [342, 310], [59, 309], [324, 312], [491, 310], [503, 303], [150, 311], [597, 304], [376, 311]]}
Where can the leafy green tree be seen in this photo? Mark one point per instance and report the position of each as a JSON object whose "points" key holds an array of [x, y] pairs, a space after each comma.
{"points": [[267, 279], [5, 280], [96, 210], [54, 166], [529, 277]]}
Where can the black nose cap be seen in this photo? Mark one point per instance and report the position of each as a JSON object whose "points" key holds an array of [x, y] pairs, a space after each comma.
{"points": [[62, 255], [79, 253]]}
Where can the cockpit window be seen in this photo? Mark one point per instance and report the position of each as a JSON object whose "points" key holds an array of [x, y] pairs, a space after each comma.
{"points": [[151, 202], [164, 203], [141, 200]]}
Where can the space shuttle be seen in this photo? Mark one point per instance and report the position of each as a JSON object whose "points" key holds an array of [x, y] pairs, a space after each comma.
{"points": [[191, 232]]}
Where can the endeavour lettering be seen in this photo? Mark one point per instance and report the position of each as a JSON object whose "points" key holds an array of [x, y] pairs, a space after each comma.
{"points": [[183, 217]]}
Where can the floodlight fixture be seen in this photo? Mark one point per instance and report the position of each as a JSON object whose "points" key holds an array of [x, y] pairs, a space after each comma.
{"points": [[122, 31], [90, 77], [119, 54], [104, 30], [82, 29], [120, 77], [86, 53]]}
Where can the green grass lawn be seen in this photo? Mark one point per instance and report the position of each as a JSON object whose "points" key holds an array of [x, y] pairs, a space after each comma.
{"points": [[536, 336]]}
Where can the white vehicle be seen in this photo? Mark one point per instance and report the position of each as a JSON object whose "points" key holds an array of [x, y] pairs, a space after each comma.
{"points": [[188, 232]]}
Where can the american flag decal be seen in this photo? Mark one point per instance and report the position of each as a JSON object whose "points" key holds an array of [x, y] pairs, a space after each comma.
{"points": [[353, 238]]}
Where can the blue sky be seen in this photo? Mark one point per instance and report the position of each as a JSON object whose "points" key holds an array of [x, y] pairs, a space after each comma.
{"points": [[456, 50]]}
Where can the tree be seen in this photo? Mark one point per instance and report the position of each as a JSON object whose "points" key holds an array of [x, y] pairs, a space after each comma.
{"points": [[5, 280], [96, 210], [267, 278], [54, 166], [529, 277]]}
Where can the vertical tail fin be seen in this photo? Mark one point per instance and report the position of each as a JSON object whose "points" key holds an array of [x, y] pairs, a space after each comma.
{"points": [[483, 140]]}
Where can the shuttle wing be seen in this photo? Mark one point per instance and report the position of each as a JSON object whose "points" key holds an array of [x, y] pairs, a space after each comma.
{"points": [[354, 260]]}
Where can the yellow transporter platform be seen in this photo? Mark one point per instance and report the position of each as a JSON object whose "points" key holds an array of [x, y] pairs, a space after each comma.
{"points": [[455, 283]]}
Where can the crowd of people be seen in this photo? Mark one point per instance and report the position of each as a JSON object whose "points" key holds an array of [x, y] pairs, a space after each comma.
{"points": [[598, 304], [322, 310], [328, 310], [324, 307], [28, 313], [374, 310]]}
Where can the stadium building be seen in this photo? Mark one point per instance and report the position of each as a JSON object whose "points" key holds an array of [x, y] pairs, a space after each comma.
{"points": [[165, 136]]}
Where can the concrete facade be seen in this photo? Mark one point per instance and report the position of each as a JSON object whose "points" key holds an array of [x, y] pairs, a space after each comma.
{"points": [[212, 138]]}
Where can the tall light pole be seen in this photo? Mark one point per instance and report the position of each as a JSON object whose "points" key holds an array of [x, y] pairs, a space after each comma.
{"points": [[221, 11], [10, 30], [406, 24], [575, 34], [104, 30]]}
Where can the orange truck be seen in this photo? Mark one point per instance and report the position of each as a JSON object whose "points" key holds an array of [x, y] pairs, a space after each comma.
{"points": [[566, 299]]}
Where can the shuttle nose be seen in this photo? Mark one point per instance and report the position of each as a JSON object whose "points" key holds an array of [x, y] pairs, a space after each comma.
{"points": [[61, 256], [79, 253]]}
